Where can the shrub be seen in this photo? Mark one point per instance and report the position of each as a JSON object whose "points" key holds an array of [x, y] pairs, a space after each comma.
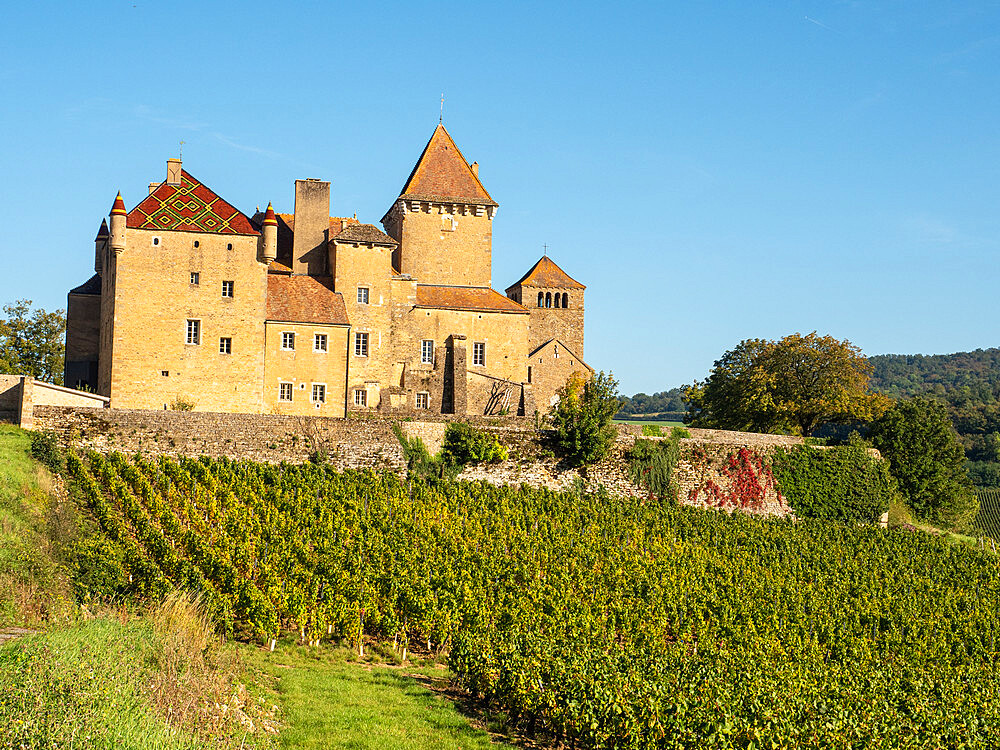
{"points": [[182, 404], [652, 464], [45, 449], [846, 483], [652, 430], [582, 418], [464, 444]]}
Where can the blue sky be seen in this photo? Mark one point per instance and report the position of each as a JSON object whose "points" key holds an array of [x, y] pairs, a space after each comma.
{"points": [[712, 171]]}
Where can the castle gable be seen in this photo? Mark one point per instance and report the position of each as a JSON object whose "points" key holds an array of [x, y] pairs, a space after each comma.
{"points": [[188, 207], [476, 299], [545, 273], [442, 175], [305, 299]]}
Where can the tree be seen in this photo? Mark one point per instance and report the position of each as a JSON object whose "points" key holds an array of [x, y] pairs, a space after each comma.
{"points": [[793, 385], [582, 417], [922, 448], [32, 343]]}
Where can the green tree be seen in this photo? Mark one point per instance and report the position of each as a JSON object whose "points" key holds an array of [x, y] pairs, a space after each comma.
{"points": [[582, 417], [793, 385], [32, 342], [917, 439]]}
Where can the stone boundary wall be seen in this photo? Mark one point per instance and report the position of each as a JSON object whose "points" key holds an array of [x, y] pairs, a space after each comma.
{"points": [[368, 441], [20, 395]]}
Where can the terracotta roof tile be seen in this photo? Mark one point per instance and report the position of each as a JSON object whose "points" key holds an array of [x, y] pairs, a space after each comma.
{"points": [[304, 299], [188, 207], [90, 286], [442, 174], [546, 273], [366, 233], [466, 298], [336, 225]]}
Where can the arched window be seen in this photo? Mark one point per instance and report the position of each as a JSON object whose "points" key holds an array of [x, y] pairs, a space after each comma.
{"points": [[555, 302], [541, 299], [565, 299], [548, 299]]}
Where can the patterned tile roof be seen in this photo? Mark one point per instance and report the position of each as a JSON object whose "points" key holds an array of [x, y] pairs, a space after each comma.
{"points": [[442, 174], [466, 298], [364, 233], [546, 273], [188, 207], [90, 286], [304, 299]]}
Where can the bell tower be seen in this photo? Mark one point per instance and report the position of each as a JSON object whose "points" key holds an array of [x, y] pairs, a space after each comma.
{"points": [[443, 219]]}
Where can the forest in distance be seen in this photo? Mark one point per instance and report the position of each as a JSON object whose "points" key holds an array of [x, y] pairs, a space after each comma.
{"points": [[968, 383]]}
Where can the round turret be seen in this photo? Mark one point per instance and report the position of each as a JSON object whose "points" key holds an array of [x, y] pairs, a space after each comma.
{"points": [[269, 235], [118, 218]]}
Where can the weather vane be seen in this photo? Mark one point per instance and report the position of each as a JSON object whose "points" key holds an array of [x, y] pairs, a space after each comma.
{"points": [[545, 250], [180, 155], [441, 117]]}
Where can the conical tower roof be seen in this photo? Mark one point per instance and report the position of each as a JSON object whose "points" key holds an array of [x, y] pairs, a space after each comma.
{"points": [[103, 231], [269, 217], [118, 209], [442, 174]]}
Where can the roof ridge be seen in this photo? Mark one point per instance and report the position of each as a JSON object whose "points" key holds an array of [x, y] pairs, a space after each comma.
{"points": [[555, 273], [436, 175]]}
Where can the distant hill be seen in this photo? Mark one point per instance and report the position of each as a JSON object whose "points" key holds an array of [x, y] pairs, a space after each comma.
{"points": [[902, 375]]}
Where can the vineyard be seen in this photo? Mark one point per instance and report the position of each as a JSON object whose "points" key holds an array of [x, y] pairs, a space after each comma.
{"points": [[607, 622], [988, 517]]}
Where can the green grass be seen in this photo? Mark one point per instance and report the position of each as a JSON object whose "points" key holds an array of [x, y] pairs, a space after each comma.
{"points": [[331, 701], [33, 589]]}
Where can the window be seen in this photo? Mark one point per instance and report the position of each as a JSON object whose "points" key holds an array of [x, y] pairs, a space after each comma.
{"points": [[361, 344], [284, 391], [229, 246], [548, 299], [529, 373], [363, 295], [225, 346], [319, 342], [195, 277], [156, 241], [288, 340], [319, 393], [227, 289], [479, 353], [196, 243], [194, 331], [556, 300], [565, 299], [423, 400], [427, 352], [541, 299], [165, 373], [360, 397]]}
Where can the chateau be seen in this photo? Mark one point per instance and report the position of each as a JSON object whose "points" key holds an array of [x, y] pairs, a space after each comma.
{"points": [[194, 303]]}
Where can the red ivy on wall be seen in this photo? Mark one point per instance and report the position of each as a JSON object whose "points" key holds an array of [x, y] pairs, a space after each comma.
{"points": [[750, 481]]}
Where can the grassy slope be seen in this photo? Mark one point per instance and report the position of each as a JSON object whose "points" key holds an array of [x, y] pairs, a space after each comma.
{"points": [[331, 701]]}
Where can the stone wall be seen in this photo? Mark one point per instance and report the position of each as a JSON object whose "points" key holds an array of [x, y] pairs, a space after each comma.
{"points": [[10, 397], [368, 441]]}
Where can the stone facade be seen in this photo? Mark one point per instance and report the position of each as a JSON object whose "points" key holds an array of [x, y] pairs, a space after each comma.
{"points": [[195, 303]]}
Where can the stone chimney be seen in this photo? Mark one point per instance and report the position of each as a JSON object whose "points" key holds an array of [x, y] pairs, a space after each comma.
{"points": [[312, 227], [153, 186], [173, 171], [475, 169]]}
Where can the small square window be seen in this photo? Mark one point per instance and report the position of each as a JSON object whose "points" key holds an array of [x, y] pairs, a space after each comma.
{"points": [[319, 393], [319, 342], [423, 400], [361, 344], [156, 241], [284, 391], [227, 288], [360, 397], [427, 352], [363, 295], [196, 243], [287, 340], [479, 353], [165, 373], [225, 345], [229, 246], [195, 278], [193, 332]]}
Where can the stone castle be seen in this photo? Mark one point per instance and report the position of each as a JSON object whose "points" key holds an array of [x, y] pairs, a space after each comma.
{"points": [[195, 304]]}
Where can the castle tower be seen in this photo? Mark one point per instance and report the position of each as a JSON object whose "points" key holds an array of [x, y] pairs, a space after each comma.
{"points": [[443, 219], [555, 301], [118, 218]]}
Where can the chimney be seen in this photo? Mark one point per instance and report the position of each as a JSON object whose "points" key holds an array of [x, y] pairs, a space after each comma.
{"points": [[153, 186], [173, 171], [312, 227], [475, 169]]}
